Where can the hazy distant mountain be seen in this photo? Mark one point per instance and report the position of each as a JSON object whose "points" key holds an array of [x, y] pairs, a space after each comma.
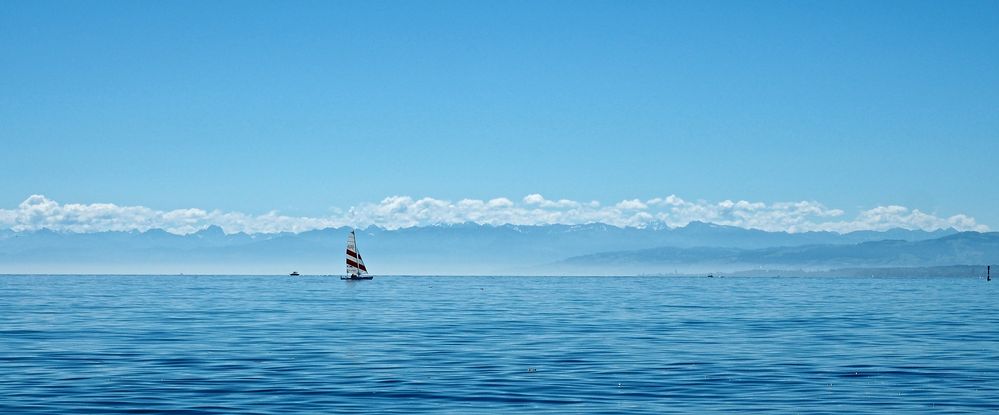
{"points": [[445, 249], [978, 271], [961, 248]]}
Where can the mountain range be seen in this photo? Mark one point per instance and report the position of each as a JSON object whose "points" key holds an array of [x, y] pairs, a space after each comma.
{"points": [[959, 248], [485, 249]]}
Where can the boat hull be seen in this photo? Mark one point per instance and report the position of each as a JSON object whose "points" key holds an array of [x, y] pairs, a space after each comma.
{"points": [[353, 278]]}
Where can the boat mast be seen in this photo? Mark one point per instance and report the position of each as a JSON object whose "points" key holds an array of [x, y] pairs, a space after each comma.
{"points": [[357, 254]]}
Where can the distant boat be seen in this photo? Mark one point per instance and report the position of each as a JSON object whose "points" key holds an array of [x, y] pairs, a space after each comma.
{"points": [[294, 274], [355, 265]]}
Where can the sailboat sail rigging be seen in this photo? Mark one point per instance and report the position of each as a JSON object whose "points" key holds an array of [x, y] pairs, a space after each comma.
{"points": [[355, 264]]}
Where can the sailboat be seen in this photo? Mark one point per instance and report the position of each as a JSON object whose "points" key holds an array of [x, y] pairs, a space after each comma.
{"points": [[355, 265]]}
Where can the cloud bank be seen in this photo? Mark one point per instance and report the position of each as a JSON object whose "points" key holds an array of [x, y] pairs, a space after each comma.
{"points": [[39, 212]]}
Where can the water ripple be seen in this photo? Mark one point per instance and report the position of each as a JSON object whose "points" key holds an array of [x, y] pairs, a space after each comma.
{"points": [[226, 344]]}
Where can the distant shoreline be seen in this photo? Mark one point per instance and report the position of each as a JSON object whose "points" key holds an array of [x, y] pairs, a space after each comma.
{"points": [[951, 271]]}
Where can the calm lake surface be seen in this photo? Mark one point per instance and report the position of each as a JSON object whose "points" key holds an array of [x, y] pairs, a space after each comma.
{"points": [[255, 344]]}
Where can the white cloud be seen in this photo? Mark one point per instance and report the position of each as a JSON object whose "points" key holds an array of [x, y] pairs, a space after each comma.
{"points": [[633, 204], [38, 212], [533, 199], [540, 201]]}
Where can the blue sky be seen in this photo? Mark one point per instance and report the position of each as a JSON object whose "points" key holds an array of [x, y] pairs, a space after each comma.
{"points": [[304, 107]]}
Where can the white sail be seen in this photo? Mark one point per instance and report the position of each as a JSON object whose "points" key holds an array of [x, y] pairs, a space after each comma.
{"points": [[355, 265]]}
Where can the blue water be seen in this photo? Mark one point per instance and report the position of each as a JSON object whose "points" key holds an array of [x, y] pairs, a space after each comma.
{"points": [[250, 344]]}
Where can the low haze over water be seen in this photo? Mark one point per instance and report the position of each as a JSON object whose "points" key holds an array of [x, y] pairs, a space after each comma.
{"points": [[253, 344]]}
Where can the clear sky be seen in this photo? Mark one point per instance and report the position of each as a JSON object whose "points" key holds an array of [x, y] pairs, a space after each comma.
{"points": [[307, 106]]}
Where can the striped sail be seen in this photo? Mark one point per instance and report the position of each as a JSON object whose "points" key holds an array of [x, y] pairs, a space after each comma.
{"points": [[355, 265]]}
